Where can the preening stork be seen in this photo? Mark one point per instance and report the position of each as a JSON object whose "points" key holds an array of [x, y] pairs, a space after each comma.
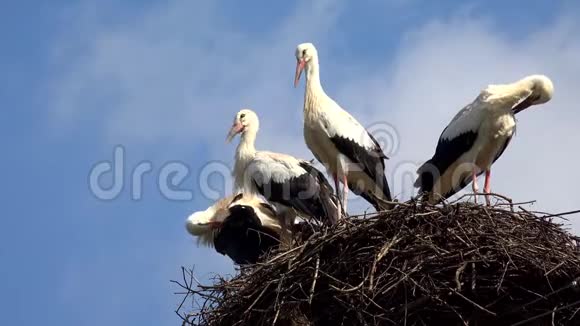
{"points": [[292, 184], [351, 154], [477, 136], [243, 227]]}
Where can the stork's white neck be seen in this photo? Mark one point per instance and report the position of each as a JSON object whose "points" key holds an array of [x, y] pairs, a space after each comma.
{"points": [[244, 154], [504, 97], [246, 149], [313, 92]]}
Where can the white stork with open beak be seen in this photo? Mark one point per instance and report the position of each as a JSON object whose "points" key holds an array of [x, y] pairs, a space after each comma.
{"points": [[477, 136], [243, 227], [292, 184], [350, 153]]}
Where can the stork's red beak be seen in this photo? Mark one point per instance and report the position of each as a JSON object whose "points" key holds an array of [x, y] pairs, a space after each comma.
{"points": [[299, 67], [236, 129], [214, 225]]}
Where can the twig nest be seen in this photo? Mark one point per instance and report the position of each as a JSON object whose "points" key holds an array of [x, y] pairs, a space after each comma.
{"points": [[417, 264]]}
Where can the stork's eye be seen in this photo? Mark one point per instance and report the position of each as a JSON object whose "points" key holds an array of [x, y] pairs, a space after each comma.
{"points": [[243, 115], [238, 197], [304, 52]]}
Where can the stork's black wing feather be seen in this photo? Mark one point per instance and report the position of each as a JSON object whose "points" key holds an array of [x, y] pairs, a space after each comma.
{"points": [[447, 152], [326, 195], [307, 193], [371, 161], [242, 236]]}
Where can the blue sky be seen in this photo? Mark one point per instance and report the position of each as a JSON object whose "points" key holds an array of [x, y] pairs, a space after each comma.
{"points": [[163, 80]]}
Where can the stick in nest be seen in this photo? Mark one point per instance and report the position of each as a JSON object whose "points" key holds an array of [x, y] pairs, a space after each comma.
{"points": [[413, 258]]}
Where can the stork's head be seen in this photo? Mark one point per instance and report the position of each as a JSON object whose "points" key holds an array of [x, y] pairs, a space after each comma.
{"points": [[204, 224], [305, 54], [540, 89], [245, 121]]}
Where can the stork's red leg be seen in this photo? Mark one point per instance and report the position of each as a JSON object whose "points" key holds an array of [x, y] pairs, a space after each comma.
{"points": [[338, 200], [344, 191], [487, 186], [474, 186]]}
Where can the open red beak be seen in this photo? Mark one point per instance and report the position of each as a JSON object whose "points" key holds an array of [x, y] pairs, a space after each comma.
{"points": [[299, 67], [236, 129]]}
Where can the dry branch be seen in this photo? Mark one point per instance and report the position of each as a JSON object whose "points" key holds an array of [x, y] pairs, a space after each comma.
{"points": [[418, 264]]}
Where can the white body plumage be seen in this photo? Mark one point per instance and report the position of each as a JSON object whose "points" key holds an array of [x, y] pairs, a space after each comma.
{"points": [[478, 135]]}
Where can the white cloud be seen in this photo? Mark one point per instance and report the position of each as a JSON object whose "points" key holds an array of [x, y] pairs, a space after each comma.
{"points": [[176, 70]]}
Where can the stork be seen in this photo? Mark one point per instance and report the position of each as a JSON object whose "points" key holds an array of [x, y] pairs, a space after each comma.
{"points": [[293, 185], [350, 153], [477, 136], [243, 227]]}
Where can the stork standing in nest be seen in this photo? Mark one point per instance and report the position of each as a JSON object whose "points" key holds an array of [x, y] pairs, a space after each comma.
{"points": [[477, 136], [243, 227], [350, 153], [293, 185]]}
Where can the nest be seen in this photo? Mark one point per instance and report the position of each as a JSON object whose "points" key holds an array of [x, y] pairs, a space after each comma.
{"points": [[418, 264]]}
